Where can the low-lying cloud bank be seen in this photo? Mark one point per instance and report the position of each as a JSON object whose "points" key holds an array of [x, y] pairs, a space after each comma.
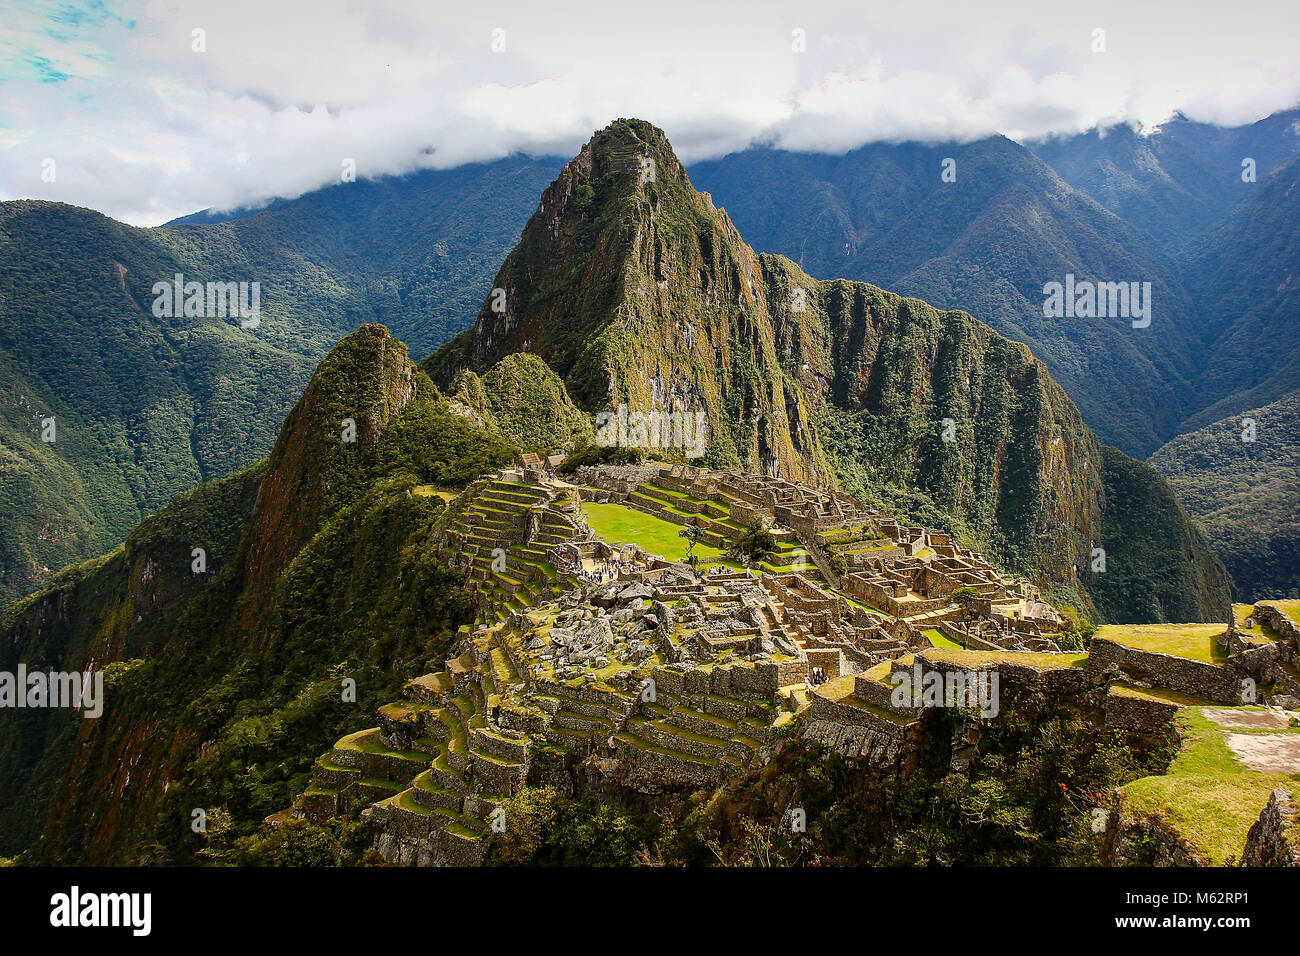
{"points": [[148, 110]]}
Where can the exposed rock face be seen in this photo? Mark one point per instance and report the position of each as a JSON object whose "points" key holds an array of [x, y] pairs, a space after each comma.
{"points": [[1274, 840]]}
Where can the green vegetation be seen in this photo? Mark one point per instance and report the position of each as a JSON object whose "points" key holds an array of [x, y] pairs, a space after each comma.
{"points": [[1197, 642], [1021, 459], [1036, 660], [986, 248], [1026, 800], [549, 829], [1159, 566], [1290, 608], [966, 598], [1207, 797], [1246, 494], [938, 640], [522, 400], [320, 570], [754, 545], [145, 407], [593, 454], [623, 525], [1076, 632]]}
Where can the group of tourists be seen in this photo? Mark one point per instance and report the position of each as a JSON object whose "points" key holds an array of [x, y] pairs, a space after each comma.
{"points": [[605, 572]]}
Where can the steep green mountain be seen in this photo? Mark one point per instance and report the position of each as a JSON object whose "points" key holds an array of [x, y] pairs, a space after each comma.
{"points": [[1158, 564], [637, 291], [988, 242], [146, 407], [143, 407], [221, 685], [1177, 181], [1247, 278], [1233, 241], [1176, 213], [1246, 494], [522, 400]]}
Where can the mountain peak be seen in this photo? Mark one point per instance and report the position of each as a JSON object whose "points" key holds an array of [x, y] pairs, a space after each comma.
{"points": [[625, 146], [328, 441], [642, 296]]}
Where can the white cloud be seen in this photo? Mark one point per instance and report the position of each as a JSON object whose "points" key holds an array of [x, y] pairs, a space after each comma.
{"points": [[144, 128]]}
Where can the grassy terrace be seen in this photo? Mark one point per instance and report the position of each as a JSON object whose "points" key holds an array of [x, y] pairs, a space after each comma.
{"points": [[619, 524], [1034, 659], [1260, 632], [429, 491], [1197, 642], [839, 690], [1208, 797], [369, 741], [1290, 608], [1156, 693], [938, 640]]}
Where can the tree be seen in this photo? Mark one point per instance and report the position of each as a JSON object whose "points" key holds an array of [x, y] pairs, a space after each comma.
{"points": [[692, 534], [754, 544], [966, 598], [1076, 630]]}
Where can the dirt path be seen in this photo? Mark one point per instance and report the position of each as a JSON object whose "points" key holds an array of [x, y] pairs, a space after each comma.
{"points": [[1247, 719], [1267, 753]]}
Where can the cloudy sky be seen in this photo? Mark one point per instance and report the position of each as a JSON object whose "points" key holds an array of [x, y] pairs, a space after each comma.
{"points": [[147, 110]]}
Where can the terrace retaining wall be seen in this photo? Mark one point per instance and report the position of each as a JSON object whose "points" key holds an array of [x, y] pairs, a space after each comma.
{"points": [[1179, 674]]}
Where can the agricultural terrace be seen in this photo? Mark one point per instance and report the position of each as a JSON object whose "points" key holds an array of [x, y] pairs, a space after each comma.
{"points": [[1209, 797], [1197, 642]]}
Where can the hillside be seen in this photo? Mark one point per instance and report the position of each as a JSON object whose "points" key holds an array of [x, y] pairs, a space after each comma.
{"points": [[1246, 274], [987, 243], [522, 400], [190, 399], [1175, 182], [1246, 494], [643, 293], [315, 572], [638, 292], [520, 688], [146, 407]]}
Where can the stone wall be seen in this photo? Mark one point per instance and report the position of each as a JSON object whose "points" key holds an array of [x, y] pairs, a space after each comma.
{"points": [[856, 732], [1279, 622], [618, 478], [1137, 840], [829, 659], [759, 679], [1194, 678], [1274, 839], [1145, 718]]}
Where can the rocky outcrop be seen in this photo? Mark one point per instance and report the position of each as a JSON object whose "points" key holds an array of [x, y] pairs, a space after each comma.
{"points": [[639, 293], [1274, 839], [523, 401]]}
